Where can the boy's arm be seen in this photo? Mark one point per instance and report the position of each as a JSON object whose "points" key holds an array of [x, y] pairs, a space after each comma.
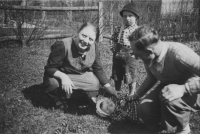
{"points": [[133, 89], [114, 38]]}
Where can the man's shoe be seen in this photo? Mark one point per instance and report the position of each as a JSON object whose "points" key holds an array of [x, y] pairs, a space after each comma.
{"points": [[185, 130]]}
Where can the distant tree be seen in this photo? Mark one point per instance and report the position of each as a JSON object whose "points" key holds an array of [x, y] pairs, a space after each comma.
{"points": [[28, 26], [199, 18]]}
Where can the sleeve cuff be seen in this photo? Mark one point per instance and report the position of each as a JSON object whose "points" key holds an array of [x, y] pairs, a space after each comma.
{"points": [[107, 85], [187, 88]]}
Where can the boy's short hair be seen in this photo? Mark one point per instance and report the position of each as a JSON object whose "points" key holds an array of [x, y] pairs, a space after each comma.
{"points": [[144, 36]]}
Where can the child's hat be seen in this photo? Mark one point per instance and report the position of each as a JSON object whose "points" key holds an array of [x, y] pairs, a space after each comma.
{"points": [[130, 7], [98, 108]]}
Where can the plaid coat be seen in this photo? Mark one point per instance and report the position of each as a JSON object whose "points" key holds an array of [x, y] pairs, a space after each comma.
{"points": [[126, 110], [123, 68]]}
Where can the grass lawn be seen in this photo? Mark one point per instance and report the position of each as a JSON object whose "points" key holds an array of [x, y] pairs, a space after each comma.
{"points": [[24, 108]]}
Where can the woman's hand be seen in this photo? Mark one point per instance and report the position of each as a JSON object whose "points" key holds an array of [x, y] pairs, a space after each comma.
{"points": [[110, 90], [115, 93], [67, 85], [66, 82]]}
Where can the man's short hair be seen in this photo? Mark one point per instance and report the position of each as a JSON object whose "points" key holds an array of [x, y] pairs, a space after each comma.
{"points": [[144, 36]]}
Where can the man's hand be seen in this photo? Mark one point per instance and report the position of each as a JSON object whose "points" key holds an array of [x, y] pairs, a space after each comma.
{"points": [[67, 85], [172, 92]]}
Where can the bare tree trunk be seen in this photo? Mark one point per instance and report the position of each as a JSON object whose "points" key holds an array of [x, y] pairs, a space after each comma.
{"points": [[199, 20], [100, 21], [23, 3], [70, 12], [43, 12], [111, 22], [20, 29], [5, 16]]}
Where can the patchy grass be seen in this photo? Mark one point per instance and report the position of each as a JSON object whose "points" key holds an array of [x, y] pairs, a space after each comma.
{"points": [[24, 108]]}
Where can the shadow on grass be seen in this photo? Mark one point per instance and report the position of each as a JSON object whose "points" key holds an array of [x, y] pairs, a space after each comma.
{"points": [[80, 104], [77, 105], [37, 96], [126, 128]]}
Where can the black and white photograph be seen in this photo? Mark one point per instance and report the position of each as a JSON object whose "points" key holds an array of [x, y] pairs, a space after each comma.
{"points": [[99, 66]]}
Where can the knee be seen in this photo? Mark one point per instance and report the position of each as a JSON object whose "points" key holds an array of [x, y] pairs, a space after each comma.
{"points": [[91, 82], [176, 105], [54, 82], [147, 112], [143, 111], [51, 83], [95, 84]]}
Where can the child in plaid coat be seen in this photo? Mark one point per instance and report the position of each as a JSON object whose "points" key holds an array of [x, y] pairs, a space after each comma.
{"points": [[124, 63], [118, 109]]}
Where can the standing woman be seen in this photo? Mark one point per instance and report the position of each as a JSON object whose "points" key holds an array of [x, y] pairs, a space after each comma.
{"points": [[74, 64], [121, 44]]}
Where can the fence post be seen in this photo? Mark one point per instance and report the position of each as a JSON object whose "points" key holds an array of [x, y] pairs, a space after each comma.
{"points": [[111, 22], [24, 2], [70, 12], [43, 12], [5, 16], [199, 19], [100, 21]]}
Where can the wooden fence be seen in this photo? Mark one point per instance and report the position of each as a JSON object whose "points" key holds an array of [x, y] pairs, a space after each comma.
{"points": [[44, 9], [150, 14]]}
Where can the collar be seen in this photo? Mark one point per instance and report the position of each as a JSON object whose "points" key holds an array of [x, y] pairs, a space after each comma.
{"points": [[75, 42], [129, 28], [161, 58], [134, 25], [162, 55]]}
